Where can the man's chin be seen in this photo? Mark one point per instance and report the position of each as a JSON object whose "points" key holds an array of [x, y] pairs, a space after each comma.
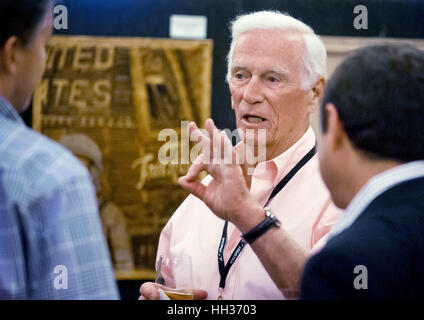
{"points": [[253, 133], [246, 125], [338, 201], [21, 107]]}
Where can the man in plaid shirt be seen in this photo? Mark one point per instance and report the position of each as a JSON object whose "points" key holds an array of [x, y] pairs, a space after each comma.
{"points": [[51, 240]]}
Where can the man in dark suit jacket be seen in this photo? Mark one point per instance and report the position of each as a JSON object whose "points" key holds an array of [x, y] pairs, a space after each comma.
{"points": [[371, 154]]}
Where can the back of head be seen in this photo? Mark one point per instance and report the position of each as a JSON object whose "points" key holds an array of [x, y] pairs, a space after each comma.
{"points": [[83, 146], [315, 56], [21, 18], [378, 92]]}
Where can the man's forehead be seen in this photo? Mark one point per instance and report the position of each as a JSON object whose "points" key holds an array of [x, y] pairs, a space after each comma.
{"points": [[48, 21], [267, 47], [261, 42], [45, 28], [288, 36]]}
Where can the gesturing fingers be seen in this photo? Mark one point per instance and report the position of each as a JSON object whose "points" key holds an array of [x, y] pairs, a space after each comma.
{"points": [[221, 145], [190, 181], [202, 136]]}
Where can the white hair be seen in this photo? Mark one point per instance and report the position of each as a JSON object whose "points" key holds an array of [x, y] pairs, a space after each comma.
{"points": [[315, 57]]}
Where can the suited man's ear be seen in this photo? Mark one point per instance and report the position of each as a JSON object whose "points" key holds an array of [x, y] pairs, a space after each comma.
{"points": [[335, 131]]}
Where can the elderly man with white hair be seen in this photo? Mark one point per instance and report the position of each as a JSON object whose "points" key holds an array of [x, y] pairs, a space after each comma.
{"points": [[256, 249]]}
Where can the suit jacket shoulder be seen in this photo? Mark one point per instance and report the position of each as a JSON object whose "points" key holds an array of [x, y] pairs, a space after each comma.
{"points": [[380, 256]]}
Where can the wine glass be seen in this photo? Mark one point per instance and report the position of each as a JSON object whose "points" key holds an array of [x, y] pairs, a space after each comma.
{"points": [[174, 273]]}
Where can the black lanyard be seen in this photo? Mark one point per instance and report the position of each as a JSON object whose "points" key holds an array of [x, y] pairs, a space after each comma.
{"points": [[224, 269]]}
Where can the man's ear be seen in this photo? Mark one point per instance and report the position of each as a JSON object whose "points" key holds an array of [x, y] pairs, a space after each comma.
{"points": [[315, 94], [8, 55], [232, 102], [335, 131]]}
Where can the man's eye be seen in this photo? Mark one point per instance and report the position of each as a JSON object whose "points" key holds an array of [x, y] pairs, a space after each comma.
{"points": [[239, 76], [273, 79]]}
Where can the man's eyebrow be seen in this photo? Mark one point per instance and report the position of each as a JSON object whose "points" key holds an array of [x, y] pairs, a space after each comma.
{"points": [[237, 66], [278, 71], [281, 72]]}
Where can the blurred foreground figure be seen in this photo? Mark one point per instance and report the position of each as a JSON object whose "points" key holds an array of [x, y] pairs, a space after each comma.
{"points": [[371, 156], [51, 241]]}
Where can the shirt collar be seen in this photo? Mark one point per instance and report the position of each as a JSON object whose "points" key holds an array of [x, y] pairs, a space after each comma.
{"points": [[276, 168], [374, 188], [289, 158], [7, 111]]}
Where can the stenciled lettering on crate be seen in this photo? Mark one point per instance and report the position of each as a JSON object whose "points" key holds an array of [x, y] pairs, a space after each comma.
{"points": [[107, 99]]}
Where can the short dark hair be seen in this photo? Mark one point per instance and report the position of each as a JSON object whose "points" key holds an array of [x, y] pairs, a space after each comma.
{"points": [[378, 92], [21, 18]]}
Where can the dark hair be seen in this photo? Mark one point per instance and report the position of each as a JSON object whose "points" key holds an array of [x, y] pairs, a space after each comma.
{"points": [[378, 92], [21, 18]]}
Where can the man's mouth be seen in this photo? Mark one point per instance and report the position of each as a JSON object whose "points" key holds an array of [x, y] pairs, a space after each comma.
{"points": [[253, 119]]}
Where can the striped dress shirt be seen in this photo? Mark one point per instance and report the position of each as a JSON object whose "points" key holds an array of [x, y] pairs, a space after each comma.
{"points": [[51, 240]]}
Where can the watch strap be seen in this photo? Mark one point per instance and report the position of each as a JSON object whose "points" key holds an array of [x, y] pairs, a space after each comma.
{"points": [[269, 222]]}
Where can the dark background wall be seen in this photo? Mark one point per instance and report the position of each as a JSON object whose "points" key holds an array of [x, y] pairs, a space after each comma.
{"points": [[150, 18]]}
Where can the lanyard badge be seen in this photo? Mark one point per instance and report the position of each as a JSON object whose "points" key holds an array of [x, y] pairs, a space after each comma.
{"points": [[252, 235]]}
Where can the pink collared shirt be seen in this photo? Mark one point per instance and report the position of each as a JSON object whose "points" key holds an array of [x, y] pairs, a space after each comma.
{"points": [[304, 208]]}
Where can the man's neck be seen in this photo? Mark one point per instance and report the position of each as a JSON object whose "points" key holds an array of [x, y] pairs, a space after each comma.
{"points": [[5, 90], [272, 151], [361, 173]]}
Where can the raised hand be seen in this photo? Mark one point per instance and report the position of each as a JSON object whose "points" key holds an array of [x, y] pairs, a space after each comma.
{"points": [[227, 195]]}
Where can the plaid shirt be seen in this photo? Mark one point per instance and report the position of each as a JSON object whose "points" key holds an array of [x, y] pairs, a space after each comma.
{"points": [[51, 241]]}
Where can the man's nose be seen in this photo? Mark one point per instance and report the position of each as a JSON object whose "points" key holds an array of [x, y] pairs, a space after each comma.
{"points": [[253, 92]]}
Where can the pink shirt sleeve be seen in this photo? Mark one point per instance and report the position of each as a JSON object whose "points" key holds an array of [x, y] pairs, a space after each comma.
{"points": [[168, 234], [329, 216]]}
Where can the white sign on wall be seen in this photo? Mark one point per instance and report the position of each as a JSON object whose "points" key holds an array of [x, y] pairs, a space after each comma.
{"points": [[188, 27]]}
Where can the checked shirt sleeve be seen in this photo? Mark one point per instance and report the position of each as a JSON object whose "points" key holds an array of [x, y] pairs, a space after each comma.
{"points": [[70, 259]]}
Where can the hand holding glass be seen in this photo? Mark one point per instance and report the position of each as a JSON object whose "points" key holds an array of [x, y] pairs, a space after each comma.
{"points": [[174, 273]]}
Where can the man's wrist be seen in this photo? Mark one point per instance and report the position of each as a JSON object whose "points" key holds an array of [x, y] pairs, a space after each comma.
{"points": [[249, 217], [267, 223]]}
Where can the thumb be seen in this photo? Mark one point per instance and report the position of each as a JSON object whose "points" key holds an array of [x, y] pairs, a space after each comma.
{"points": [[195, 187], [199, 294]]}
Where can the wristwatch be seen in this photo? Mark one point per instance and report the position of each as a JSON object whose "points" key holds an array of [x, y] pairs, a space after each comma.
{"points": [[269, 222]]}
